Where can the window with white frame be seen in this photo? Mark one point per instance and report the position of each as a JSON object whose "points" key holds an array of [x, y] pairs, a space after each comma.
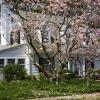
{"points": [[11, 61], [1, 63], [21, 62]]}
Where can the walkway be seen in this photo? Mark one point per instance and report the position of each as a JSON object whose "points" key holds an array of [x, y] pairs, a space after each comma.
{"points": [[94, 96]]}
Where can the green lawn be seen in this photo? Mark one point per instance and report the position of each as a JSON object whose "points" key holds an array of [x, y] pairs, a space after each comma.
{"points": [[32, 89]]}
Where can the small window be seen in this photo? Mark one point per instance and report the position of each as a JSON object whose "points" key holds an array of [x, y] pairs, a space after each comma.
{"points": [[12, 19], [1, 63], [11, 61], [21, 62], [15, 37]]}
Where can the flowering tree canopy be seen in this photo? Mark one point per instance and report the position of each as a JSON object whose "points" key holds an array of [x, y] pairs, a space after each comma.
{"points": [[58, 28]]}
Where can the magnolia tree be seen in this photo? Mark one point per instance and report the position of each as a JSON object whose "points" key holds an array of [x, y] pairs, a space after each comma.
{"points": [[57, 29]]}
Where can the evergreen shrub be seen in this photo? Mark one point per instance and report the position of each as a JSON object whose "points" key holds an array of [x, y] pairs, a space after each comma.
{"points": [[14, 72]]}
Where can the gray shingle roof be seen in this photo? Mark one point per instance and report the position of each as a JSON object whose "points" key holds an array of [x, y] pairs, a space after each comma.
{"points": [[5, 47]]}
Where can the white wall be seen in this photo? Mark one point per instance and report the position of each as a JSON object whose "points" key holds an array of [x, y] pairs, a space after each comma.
{"points": [[5, 25], [16, 53]]}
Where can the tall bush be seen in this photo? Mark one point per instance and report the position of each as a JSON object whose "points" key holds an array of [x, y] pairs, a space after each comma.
{"points": [[14, 72]]}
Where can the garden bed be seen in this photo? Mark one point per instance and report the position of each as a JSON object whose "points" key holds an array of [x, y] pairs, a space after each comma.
{"points": [[23, 90]]}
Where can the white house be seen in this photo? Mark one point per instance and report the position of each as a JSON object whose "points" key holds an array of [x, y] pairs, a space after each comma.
{"points": [[12, 47]]}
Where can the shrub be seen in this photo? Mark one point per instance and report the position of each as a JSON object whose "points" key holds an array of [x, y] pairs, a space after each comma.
{"points": [[66, 74], [14, 72], [97, 74], [97, 71], [42, 76], [30, 77]]}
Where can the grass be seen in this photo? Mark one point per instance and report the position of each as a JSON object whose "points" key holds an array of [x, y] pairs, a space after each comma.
{"points": [[23, 90]]}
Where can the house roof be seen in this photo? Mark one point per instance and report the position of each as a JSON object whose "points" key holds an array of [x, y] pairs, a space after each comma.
{"points": [[7, 47], [87, 51]]}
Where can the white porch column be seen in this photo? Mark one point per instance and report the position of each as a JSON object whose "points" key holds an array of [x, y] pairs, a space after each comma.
{"points": [[16, 60], [27, 65], [79, 70], [83, 66], [5, 61], [69, 65], [73, 67]]}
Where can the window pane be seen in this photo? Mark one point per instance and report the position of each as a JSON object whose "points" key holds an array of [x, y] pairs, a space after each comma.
{"points": [[21, 62], [11, 61], [1, 62]]}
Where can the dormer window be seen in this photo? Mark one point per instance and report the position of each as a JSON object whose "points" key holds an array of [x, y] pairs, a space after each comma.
{"points": [[15, 37], [49, 33], [12, 19]]}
